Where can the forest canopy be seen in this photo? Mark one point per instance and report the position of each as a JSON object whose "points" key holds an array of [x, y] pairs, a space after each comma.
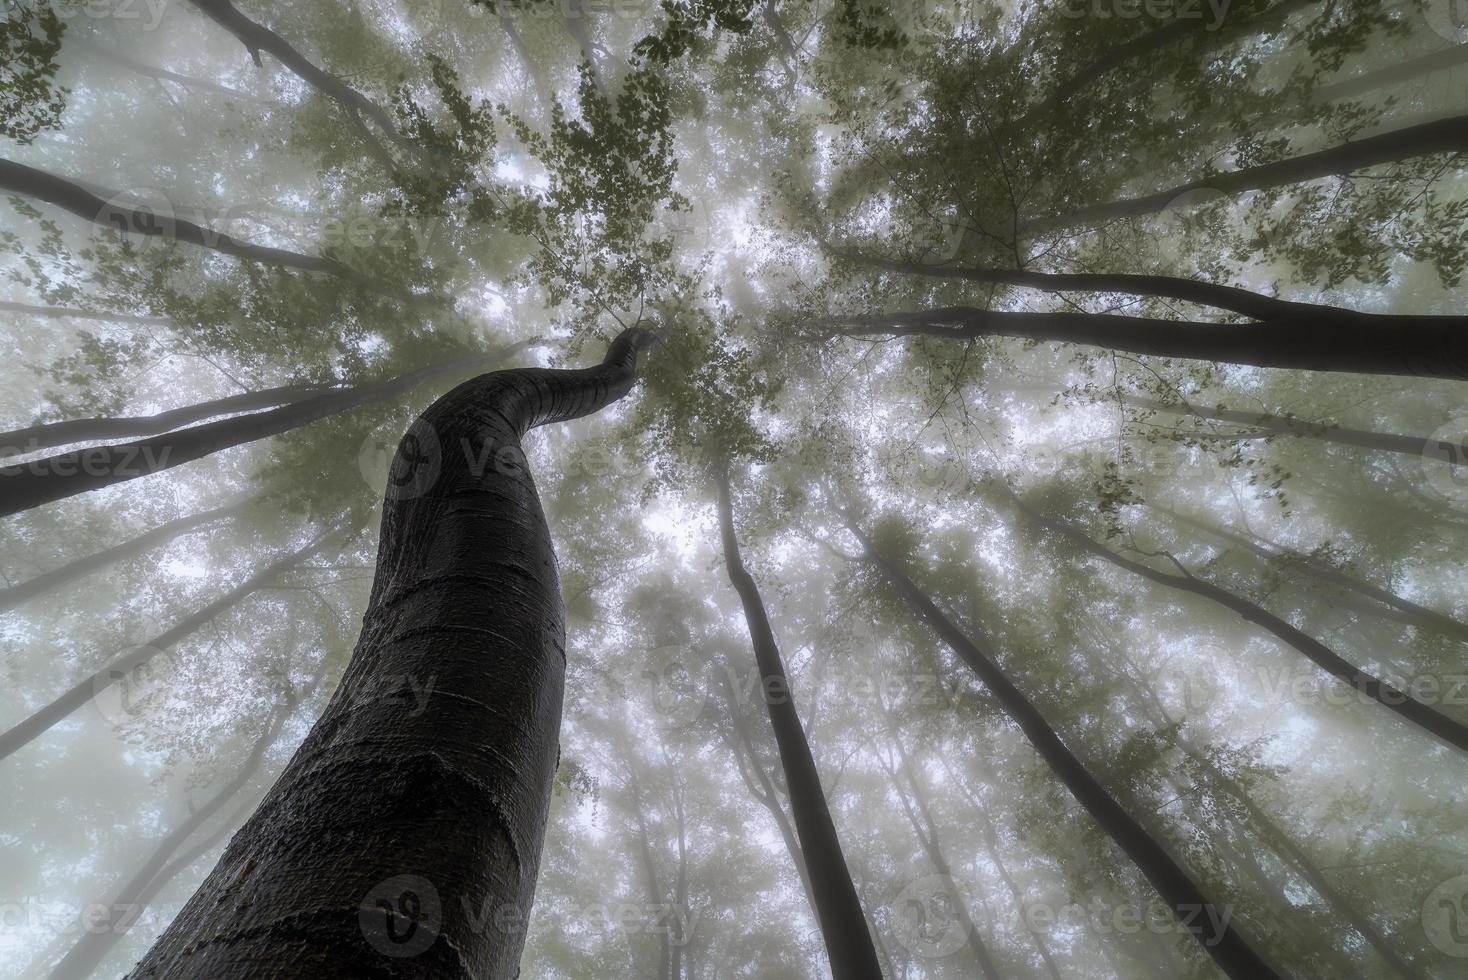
{"points": [[725, 489]]}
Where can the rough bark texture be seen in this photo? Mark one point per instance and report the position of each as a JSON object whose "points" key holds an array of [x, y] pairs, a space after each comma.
{"points": [[72, 197], [1427, 718], [399, 841], [1196, 914], [1442, 136], [50, 434], [71, 571], [121, 669], [838, 909], [42, 481], [1421, 346]]}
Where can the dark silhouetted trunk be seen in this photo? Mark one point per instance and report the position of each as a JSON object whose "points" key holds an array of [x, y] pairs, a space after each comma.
{"points": [[72, 197], [926, 831], [71, 571], [843, 925], [1442, 136], [1360, 343], [1201, 918], [1425, 717], [42, 481], [50, 434], [124, 669], [257, 38], [131, 898], [1402, 71], [62, 312], [404, 839], [1267, 425]]}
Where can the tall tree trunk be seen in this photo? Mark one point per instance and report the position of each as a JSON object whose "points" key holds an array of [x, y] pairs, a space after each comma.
{"points": [[402, 842], [843, 924], [49, 434], [257, 38], [1427, 139], [158, 536], [926, 831], [1401, 71], [129, 901], [72, 197], [656, 894], [42, 481], [1453, 454], [679, 918], [1361, 343], [160, 74], [1196, 913], [121, 669], [1418, 615], [1430, 720], [61, 312]]}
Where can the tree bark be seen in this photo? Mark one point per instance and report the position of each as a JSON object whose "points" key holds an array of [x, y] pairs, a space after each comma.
{"points": [[75, 199], [50, 434], [838, 909], [1442, 136], [120, 669], [1430, 720], [43, 481], [160, 535], [1454, 454], [402, 842], [1196, 913], [1360, 343]]}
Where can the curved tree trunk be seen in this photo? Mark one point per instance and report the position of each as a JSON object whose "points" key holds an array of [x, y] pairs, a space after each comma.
{"points": [[121, 670], [1360, 343], [72, 197], [50, 434], [403, 842], [838, 909], [158, 536], [43, 481], [1196, 913], [1442, 136], [1427, 718]]}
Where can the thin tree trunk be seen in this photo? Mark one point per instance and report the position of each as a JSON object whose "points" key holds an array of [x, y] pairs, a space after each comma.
{"points": [[158, 536], [129, 901], [43, 481], [926, 831], [1361, 343], [1443, 136], [257, 38], [1413, 613], [843, 924], [1402, 71], [1430, 720], [50, 434], [655, 891], [160, 74], [743, 747], [1196, 914], [75, 199], [401, 841], [120, 669], [680, 916], [1283, 425], [60, 312]]}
